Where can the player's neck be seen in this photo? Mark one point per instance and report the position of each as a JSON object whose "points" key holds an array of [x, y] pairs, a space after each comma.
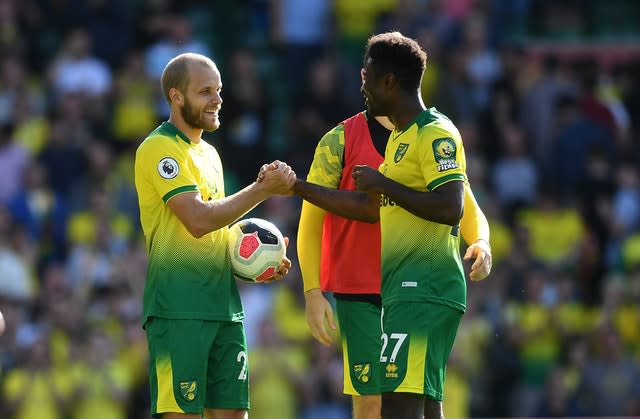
{"points": [[406, 110], [194, 134]]}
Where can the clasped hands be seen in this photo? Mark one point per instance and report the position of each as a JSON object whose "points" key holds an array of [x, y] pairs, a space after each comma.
{"points": [[277, 178]]}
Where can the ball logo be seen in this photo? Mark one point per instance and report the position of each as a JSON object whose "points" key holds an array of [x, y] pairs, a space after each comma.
{"points": [[168, 168], [256, 248]]}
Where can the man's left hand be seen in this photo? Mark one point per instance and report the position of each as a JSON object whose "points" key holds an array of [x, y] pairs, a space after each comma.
{"points": [[283, 268], [480, 252]]}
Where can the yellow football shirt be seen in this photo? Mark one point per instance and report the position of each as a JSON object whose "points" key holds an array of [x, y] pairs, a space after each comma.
{"points": [[421, 258], [187, 277]]}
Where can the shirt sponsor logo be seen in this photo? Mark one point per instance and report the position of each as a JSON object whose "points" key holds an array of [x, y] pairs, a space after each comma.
{"points": [[386, 201], [409, 284], [168, 168], [444, 151]]}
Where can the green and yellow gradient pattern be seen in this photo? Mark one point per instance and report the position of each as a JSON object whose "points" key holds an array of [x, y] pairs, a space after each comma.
{"points": [[187, 277], [326, 168], [421, 259]]}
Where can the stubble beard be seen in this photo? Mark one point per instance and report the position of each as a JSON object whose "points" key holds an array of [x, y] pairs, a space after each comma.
{"points": [[195, 119]]}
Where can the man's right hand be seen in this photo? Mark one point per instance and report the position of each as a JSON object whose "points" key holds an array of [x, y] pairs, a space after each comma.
{"points": [[277, 178], [318, 309]]}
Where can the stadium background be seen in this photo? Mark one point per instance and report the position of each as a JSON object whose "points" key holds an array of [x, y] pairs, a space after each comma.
{"points": [[545, 92]]}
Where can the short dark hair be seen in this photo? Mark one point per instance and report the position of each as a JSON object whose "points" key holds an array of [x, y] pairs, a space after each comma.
{"points": [[392, 52], [176, 72]]}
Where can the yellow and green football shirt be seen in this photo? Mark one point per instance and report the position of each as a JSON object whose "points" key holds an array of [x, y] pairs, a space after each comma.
{"points": [[187, 277], [421, 258]]}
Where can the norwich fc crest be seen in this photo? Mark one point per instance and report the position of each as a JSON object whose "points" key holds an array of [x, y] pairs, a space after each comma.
{"points": [[189, 390], [362, 372], [444, 151], [400, 152]]}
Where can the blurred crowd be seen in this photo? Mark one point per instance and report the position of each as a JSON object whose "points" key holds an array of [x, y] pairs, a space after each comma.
{"points": [[552, 144]]}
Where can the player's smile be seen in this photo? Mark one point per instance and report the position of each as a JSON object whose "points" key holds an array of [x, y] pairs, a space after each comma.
{"points": [[212, 112], [368, 89], [370, 103]]}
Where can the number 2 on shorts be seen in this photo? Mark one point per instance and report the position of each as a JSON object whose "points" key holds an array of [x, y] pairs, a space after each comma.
{"points": [[242, 357]]}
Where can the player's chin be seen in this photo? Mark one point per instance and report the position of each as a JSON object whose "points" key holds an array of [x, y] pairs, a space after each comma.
{"points": [[210, 124], [373, 111], [367, 104]]}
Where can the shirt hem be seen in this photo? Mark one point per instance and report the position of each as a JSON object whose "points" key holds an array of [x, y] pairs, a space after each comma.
{"points": [[235, 318], [449, 303]]}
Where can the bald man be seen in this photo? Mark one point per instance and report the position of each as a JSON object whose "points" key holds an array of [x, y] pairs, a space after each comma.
{"points": [[192, 309]]}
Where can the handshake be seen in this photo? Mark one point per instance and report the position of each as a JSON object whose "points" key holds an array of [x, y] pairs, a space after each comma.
{"points": [[276, 178]]}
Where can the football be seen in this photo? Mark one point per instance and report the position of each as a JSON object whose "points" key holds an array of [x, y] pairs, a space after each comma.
{"points": [[256, 248]]}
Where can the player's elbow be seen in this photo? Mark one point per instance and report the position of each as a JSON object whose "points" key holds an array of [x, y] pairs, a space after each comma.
{"points": [[452, 203], [450, 220], [196, 232], [453, 216], [370, 218], [196, 229]]}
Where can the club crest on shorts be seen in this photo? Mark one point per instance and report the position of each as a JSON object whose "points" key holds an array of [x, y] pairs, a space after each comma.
{"points": [[400, 152], [168, 168], [362, 372], [189, 390]]}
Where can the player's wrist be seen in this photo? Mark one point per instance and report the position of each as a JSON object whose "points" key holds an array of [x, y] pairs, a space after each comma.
{"points": [[261, 190], [483, 243], [312, 292], [298, 185]]}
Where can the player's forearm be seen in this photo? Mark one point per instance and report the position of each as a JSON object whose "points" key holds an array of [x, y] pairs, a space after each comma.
{"points": [[309, 244], [473, 225], [443, 205], [214, 215], [354, 205]]}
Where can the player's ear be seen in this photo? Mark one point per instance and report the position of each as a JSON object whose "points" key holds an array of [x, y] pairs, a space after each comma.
{"points": [[176, 96], [390, 80]]}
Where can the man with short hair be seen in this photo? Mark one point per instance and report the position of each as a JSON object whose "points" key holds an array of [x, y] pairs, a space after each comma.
{"points": [[339, 251], [420, 186], [192, 309]]}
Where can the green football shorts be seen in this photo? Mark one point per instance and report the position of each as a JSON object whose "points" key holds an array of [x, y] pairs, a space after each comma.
{"points": [[360, 330], [197, 364], [416, 344]]}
